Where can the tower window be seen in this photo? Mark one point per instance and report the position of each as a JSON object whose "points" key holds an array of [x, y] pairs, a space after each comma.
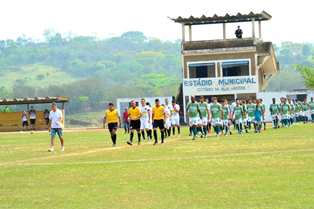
{"points": [[235, 68], [202, 70]]}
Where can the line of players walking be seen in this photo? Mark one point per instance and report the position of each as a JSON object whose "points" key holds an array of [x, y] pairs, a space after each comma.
{"points": [[243, 115], [290, 111], [145, 121]]}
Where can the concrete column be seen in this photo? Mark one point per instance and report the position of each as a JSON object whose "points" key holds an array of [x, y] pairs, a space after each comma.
{"points": [[183, 33], [190, 32], [260, 29], [184, 106], [253, 28], [224, 30]]}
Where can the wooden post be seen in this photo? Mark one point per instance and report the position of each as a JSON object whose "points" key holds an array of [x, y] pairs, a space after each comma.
{"points": [[190, 32], [260, 29], [224, 30]]}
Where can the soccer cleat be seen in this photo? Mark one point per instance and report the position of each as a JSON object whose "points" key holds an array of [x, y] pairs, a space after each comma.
{"points": [[62, 149], [155, 143], [51, 149], [129, 143]]}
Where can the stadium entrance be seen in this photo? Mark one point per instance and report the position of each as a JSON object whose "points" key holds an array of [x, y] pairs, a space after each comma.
{"points": [[228, 68]]}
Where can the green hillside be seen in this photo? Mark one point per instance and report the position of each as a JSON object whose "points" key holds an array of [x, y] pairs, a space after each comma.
{"points": [[130, 65], [35, 75]]}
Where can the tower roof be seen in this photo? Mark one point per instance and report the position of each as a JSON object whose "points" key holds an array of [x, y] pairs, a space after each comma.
{"points": [[215, 19]]}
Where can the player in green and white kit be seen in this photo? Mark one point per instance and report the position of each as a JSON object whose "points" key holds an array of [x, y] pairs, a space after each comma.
{"points": [[194, 116], [274, 110], [258, 116], [237, 116], [204, 116], [245, 115], [292, 111], [263, 112], [285, 112], [311, 105], [305, 111], [298, 110], [250, 113], [216, 116], [226, 110]]}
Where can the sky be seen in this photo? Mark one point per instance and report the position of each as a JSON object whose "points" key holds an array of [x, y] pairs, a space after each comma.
{"points": [[291, 20]]}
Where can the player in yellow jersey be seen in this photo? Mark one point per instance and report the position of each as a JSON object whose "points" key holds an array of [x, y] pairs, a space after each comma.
{"points": [[158, 121], [112, 119], [135, 122]]}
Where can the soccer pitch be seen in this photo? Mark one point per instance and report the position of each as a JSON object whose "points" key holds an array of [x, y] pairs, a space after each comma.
{"points": [[274, 169]]}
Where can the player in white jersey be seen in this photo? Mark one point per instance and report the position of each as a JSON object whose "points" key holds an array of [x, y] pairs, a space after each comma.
{"points": [[167, 118], [209, 124], [175, 117], [150, 123], [145, 118]]}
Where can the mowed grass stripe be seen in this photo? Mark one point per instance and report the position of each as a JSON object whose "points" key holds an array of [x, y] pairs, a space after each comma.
{"points": [[202, 157]]}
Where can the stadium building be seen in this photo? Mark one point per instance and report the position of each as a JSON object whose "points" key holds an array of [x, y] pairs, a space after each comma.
{"points": [[228, 67]]}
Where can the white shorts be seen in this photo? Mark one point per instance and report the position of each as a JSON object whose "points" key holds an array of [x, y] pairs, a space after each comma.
{"points": [[203, 121], [250, 119], [286, 116], [308, 114], [145, 124], [245, 120], [225, 122], [150, 126], [238, 121], [274, 117], [216, 122], [167, 123], [194, 121], [175, 121]]}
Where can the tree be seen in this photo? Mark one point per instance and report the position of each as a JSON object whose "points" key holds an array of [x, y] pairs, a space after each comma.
{"points": [[307, 73]]}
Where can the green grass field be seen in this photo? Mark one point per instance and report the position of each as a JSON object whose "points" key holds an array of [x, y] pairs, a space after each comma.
{"points": [[274, 169]]}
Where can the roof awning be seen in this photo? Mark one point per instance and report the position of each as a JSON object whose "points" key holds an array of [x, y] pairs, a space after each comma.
{"points": [[215, 19], [35, 100]]}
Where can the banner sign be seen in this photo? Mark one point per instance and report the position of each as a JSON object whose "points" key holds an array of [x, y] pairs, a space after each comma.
{"points": [[215, 86]]}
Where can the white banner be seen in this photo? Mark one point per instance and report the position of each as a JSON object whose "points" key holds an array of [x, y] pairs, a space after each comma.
{"points": [[216, 86]]}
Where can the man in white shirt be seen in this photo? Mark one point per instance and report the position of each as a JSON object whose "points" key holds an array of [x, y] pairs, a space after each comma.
{"points": [[175, 117], [167, 118], [55, 126], [145, 119]]}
